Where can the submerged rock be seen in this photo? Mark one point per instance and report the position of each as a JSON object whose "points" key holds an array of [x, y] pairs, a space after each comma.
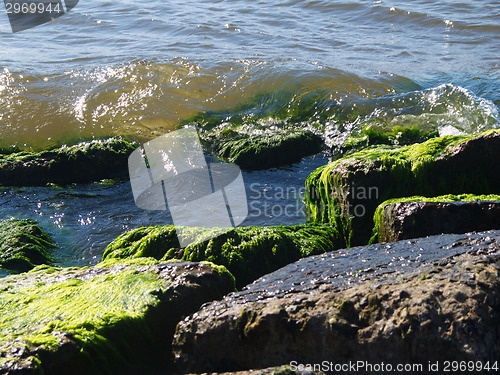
{"points": [[115, 318], [23, 244], [247, 252], [413, 217], [431, 299], [347, 191], [84, 162]]}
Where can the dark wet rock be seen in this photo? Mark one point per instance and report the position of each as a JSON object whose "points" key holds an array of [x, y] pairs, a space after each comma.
{"points": [[115, 318], [23, 244], [405, 218], [247, 252], [84, 162], [347, 191], [412, 301]]}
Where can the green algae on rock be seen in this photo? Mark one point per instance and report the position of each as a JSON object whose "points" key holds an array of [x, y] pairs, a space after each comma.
{"points": [[412, 217], [85, 162], [247, 252], [23, 244], [346, 192], [114, 318], [376, 135], [261, 147]]}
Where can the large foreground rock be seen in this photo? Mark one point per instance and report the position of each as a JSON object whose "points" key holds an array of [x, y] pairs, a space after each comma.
{"points": [[416, 301], [23, 244], [115, 318], [414, 217], [84, 162], [247, 252], [347, 191]]}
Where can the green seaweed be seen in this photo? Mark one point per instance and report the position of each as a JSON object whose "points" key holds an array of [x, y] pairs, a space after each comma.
{"points": [[377, 216], [247, 252], [85, 162], [23, 244], [266, 150], [430, 168], [373, 135], [115, 315]]}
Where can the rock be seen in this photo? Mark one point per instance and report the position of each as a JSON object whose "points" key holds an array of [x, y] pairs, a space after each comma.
{"points": [[430, 299], [247, 252], [372, 135], [114, 318], [254, 149], [84, 162], [413, 217], [23, 244], [347, 191]]}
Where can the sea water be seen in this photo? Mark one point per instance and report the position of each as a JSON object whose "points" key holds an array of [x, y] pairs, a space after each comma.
{"points": [[139, 69]]}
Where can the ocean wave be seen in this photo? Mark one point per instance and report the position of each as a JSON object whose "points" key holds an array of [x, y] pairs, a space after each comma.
{"points": [[144, 99]]}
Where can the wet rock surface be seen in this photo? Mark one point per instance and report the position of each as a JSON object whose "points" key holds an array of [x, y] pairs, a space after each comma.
{"points": [[115, 318], [412, 301], [404, 220], [84, 162]]}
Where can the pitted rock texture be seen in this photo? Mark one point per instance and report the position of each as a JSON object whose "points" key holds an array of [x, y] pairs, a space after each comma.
{"points": [[412, 301]]}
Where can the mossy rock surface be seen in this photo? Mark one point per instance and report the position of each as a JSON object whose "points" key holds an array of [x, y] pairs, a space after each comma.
{"points": [[412, 217], [247, 252], [115, 318], [255, 147], [373, 135], [84, 162], [23, 244], [346, 192]]}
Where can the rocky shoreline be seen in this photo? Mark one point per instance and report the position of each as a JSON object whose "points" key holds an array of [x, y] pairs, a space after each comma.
{"points": [[304, 294]]}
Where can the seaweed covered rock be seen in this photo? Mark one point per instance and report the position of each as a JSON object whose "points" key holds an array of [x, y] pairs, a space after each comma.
{"points": [[23, 244], [382, 303], [115, 318], [247, 252], [413, 217], [84, 162], [372, 135], [261, 148], [347, 191]]}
